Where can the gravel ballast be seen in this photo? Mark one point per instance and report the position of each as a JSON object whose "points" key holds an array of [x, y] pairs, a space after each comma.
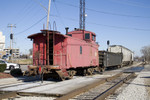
{"points": [[138, 88]]}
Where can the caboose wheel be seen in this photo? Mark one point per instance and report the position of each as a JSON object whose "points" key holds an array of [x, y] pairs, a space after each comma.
{"points": [[45, 76], [70, 74], [62, 78], [26, 73], [90, 71], [85, 72]]}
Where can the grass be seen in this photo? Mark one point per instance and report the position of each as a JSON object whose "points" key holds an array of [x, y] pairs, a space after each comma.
{"points": [[23, 61]]}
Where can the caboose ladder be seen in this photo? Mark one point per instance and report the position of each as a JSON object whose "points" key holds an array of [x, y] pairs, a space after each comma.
{"points": [[51, 49]]}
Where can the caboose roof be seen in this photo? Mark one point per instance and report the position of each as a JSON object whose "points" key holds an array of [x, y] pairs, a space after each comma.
{"points": [[43, 32], [121, 47], [80, 31]]}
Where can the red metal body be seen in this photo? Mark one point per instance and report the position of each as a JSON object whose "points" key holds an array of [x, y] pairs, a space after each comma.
{"points": [[73, 50]]}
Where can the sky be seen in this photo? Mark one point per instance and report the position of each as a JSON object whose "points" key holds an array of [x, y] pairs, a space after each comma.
{"points": [[122, 22]]}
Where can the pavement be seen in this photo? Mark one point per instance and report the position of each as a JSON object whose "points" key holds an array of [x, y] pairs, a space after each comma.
{"points": [[53, 87]]}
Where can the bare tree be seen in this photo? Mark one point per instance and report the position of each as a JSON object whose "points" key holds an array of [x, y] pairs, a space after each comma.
{"points": [[146, 52]]}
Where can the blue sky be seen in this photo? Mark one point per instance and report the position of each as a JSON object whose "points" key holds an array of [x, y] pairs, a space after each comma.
{"points": [[123, 22]]}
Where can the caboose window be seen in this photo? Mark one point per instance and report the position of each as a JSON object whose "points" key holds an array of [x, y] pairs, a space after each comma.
{"points": [[87, 35], [80, 49], [69, 35], [93, 37]]}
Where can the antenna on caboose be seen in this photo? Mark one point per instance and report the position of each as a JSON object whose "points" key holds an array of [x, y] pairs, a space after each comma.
{"points": [[82, 15], [48, 12]]}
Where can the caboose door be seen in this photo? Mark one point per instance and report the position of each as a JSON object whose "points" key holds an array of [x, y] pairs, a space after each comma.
{"points": [[51, 49]]}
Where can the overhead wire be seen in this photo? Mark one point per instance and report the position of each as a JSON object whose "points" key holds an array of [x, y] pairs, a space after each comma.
{"points": [[36, 22], [41, 5], [130, 3], [59, 14], [26, 11], [105, 12], [23, 9], [31, 26], [118, 27], [112, 26]]}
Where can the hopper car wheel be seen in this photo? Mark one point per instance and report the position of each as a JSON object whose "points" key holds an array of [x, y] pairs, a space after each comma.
{"points": [[119, 66], [103, 69]]}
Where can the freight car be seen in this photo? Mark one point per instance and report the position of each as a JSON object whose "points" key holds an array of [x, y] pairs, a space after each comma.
{"points": [[127, 54], [109, 60], [62, 56]]}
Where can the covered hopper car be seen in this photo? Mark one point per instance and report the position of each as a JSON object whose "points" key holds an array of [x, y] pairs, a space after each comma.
{"points": [[62, 56], [128, 55]]}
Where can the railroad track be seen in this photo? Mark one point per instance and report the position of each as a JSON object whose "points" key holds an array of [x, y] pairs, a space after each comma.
{"points": [[99, 90], [95, 91]]}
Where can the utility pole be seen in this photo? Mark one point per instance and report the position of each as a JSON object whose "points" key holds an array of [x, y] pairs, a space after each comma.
{"points": [[82, 15], [11, 36], [48, 14]]}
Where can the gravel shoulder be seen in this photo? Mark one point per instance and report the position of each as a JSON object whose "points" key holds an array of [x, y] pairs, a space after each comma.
{"points": [[138, 89], [147, 80]]}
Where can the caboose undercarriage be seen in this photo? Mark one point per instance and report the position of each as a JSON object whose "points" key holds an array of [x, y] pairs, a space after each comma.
{"points": [[60, 74]]}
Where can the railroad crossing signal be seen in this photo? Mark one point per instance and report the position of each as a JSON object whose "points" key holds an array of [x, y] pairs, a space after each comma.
{"points": [[11, 36], [108, 42]]}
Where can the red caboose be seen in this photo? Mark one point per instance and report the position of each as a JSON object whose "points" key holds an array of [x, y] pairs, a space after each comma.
{"points": [[65, 55]]}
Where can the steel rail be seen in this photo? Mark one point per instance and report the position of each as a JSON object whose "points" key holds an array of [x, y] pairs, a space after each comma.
{"points": [[88, 87], [112, 89]]}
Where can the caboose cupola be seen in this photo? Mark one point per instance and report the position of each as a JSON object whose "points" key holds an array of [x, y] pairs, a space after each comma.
{"points": [[90, 36], [82, 34]]}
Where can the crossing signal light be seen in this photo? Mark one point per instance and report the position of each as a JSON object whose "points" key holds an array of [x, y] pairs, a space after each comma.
{"points": [[11, 36]]}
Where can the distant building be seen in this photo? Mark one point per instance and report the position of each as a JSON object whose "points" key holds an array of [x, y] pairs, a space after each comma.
{"points": [[2, 41], [15, 52]]}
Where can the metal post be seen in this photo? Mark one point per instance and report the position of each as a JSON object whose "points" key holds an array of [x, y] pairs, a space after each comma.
{"points": [[11, 38], [107, 53], [48, 14]]}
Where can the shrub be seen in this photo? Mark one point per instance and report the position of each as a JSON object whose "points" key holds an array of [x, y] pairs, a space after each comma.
{"points": [[2, 67], [16, 72]]}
